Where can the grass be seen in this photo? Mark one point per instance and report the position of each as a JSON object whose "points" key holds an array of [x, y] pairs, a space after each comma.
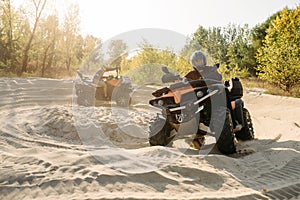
{"points": [[269, 88]]}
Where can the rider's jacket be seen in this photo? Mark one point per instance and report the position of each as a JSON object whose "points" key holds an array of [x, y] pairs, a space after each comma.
{"points": [[205, 73]]}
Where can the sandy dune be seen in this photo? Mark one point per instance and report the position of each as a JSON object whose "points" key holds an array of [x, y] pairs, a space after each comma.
{"points": [[53, 150]]}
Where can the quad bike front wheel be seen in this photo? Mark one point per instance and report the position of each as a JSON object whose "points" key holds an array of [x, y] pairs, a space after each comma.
{"points": [[247, 132], [160, 131], [85, 95], [225, 142], [123, 100], [121, 95]]}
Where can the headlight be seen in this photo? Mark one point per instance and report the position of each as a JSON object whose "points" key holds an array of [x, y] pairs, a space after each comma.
{"points": [[199, 94], [160, 102]]}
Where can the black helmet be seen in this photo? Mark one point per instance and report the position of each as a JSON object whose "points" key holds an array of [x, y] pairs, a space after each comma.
{"points": [[198, 60]]}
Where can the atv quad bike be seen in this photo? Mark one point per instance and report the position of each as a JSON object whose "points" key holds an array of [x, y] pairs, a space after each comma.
{"points": [[194, 103], [89, 89]]}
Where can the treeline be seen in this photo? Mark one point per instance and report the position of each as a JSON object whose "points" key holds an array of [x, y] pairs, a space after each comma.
{"points": [[269, 51], [36, 42]]}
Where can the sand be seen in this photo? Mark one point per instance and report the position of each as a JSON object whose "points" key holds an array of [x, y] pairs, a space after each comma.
{"points": [[52, 149]]}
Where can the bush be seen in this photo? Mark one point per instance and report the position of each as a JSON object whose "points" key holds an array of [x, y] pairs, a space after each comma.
{"points": [[279, 57]]}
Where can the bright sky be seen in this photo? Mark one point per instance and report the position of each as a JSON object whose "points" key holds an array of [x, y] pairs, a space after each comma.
{"points": [[107, 18]]}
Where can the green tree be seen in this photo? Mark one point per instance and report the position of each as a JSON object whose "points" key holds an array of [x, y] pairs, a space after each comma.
{"points": [[34, 42], [240, 52], [211, 41], [199, 41], [7, 34], [217, 45], [93, 57], [182, 65], [145, 66], [39, 6], [259, 32], [279, 58], [48, 37], [10, 34], [230, 46], [71, 37], [115, 50]]}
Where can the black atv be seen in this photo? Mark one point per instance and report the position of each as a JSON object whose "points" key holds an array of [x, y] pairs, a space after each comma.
{"points": [[194, 103], [91, 89]]}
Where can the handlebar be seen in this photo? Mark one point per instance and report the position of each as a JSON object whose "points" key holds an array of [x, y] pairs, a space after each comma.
{"points": [[169, 77]]}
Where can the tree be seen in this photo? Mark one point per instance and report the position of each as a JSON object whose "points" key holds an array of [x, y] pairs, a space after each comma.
{"points": [[217, 45], [279, 58], [230, 46], [115, 50], [48, 36], [39, 6], [93, 57], [145, 66], [10, 29], [212, 42], [240, 52], [200, 39], [182, 65], [259, 32], [33, 40], [7, 42], [71, 36]]}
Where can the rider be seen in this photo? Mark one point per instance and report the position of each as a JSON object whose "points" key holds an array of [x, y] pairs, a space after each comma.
{"points": [[99, 82], [201, 71], [198, 61]]}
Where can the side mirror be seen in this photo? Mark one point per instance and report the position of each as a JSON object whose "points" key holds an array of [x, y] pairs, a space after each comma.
{"points": [[165, 69], [169, 77], [80, 74]]}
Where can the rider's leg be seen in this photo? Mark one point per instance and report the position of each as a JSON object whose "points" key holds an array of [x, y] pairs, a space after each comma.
{"points": [[105, 90], [237, 110], [104, 86]]}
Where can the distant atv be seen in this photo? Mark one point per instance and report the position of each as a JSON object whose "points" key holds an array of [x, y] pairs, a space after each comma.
{"points": [[198, 100], [89, 89]]}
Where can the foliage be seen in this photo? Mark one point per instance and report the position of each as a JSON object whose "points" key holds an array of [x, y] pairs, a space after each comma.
{"points": [[279, 57], [115, 50], [230, 46], [240, 52], [145, 66], [34, 41], [182, 65], [263, 86], [211, 41], [234, 71], [259, 32], [71, 37], [10, 33], [146, 74], [39, 6], [150, 55], [93, 57]]}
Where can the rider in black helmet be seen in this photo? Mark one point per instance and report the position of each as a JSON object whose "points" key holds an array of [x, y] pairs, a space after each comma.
{"points": [[198, 61], [201, 71]]}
